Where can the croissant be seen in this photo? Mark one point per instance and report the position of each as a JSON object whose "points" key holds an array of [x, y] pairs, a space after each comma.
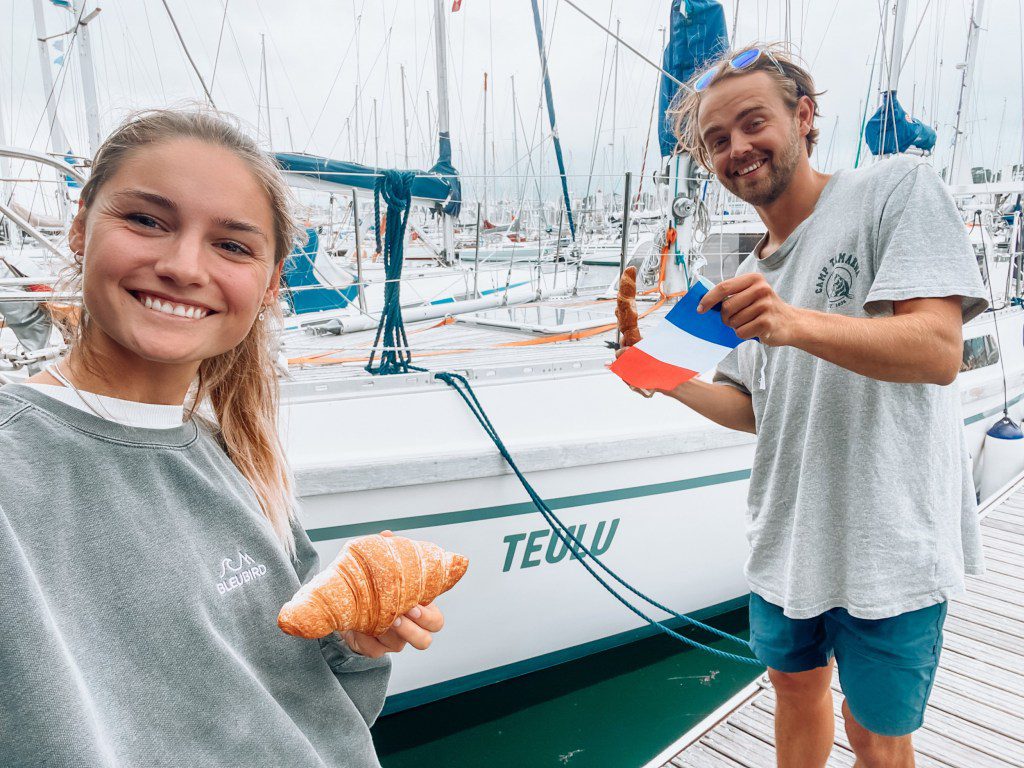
{"points": [[372, 581], [625, 308]]}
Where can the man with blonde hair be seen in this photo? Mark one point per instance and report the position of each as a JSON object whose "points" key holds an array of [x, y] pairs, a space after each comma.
{"points": [[861, 510]]}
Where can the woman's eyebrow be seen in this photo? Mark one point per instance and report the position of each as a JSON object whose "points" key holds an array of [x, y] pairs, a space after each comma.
{"points": [[168, 204], [150, 197], [241, 226]]}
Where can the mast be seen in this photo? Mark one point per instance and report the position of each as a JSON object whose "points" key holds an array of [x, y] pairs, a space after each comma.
{"points": [[485, 145], [966, 85], [5, 167], [551, 116], [889, 79], [58, 142], [443, 136], [515, 136], [266, 85], [615, 95], [92, 110], [405, 121], [896, 56], [358, 20], [376, 138]]}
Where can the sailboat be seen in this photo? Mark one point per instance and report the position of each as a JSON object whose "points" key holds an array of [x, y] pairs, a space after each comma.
{"points": [[654, 490]]}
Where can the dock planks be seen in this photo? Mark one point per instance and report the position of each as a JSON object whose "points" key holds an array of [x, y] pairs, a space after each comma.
{"points": [[975, 716]]}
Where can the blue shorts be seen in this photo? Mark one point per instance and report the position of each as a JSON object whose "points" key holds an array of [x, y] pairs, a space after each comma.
{"points": [[886, 666]]}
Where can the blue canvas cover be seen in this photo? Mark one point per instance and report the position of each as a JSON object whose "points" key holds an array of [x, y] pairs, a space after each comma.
{"points": [[298, 271], [891, 130], [440, 183], [697, 35]]}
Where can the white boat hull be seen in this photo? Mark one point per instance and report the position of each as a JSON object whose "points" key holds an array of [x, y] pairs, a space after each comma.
{"points": [[660, 490]]}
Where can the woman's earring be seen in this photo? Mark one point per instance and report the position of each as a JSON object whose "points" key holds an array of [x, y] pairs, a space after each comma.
{"points": [[263, 313]]}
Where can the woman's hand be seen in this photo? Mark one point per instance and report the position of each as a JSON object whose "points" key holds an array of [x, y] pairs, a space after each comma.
{"points": [[416, 628]]}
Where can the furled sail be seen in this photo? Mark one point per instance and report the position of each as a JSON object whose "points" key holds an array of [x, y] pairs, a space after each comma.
{"points": [[439, 185], [697, 34], [891, 130]]}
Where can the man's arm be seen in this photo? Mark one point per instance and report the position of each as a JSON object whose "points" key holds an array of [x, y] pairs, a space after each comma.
{"points": [[922, 343], [721, 403]]}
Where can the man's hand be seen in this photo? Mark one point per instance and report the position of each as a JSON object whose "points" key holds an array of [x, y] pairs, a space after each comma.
{"points": [[753, 309], [648, 393], [415, 628]]}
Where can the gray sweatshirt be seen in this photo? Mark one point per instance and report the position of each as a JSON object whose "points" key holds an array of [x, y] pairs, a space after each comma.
{"points": [[139, 593]]}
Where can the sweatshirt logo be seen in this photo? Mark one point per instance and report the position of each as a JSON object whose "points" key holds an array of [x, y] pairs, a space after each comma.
{"points": [[836, 279], [234, 576]]}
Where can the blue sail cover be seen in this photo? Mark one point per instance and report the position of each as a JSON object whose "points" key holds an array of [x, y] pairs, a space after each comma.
{"points": [[299, 271], [697, 35], [440, 183], [891, 130]]}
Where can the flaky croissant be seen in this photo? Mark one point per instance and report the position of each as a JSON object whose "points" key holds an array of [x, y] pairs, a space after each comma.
{"points": [[625, 308], [372, 581]]}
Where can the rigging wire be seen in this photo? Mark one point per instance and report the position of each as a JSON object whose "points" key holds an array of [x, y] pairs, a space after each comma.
{"points": [[330, 90], [995, 317], [602, 86], [152, 42], [280, 60], [241, 60], [220, 39], [188, 54]]}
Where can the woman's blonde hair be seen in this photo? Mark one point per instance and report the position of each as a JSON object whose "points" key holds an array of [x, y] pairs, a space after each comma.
{"points": [[793, 82], [241, 384]]}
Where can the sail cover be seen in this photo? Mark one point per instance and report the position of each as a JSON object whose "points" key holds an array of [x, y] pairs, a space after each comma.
{"points": [[438, 185], [891, 130], [697, 35]]}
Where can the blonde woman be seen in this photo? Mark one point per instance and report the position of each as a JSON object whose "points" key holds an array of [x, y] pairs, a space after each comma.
{"points": [[146, 551]]}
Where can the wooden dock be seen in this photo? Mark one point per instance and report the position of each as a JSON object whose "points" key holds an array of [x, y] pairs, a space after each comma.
{"points": [[975, 716]]}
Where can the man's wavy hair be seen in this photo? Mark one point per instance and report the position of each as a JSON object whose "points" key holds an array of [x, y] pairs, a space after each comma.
{"points": [[794, 84]]}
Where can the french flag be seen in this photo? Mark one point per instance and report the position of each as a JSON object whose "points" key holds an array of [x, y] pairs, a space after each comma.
{"points": [[683, 345]]}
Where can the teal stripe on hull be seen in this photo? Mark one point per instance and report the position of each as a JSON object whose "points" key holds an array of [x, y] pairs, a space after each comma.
{"points": [[993, 411], [521, 508], [400, 701], [330, 533]]}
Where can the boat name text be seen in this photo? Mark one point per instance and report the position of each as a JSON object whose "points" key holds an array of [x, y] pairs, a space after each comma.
{"points": [[533, 544]]}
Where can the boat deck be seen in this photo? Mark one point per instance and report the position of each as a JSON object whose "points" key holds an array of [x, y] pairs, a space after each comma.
{"points": [[454, 345], [975, 716]]}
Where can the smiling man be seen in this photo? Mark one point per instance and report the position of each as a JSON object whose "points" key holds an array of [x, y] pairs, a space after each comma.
{"points": [[861, 509]]}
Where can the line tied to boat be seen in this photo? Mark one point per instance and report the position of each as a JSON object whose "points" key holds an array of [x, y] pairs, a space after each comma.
{"points": [[396, 189]]}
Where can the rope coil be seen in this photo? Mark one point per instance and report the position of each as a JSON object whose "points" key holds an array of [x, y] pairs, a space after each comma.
{"points": [[396, 189]]}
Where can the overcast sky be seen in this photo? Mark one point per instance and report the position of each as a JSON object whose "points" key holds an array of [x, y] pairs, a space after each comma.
{"points": [[320, 52]]}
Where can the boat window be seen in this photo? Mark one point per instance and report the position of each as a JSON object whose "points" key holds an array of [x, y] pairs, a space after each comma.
{"points": [[979, 352]]}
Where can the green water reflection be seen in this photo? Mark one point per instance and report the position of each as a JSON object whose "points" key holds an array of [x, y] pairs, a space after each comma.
{"points": [[615, 709]]}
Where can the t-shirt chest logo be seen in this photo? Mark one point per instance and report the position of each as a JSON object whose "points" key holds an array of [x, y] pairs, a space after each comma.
{"points": [[836, 279], [233, 576]]}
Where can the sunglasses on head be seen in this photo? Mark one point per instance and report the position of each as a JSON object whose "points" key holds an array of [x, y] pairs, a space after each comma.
{"points": [[742, 61]]}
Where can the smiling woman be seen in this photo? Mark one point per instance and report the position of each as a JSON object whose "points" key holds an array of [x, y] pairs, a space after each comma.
{"points": [[127, 624], [175, 216]]}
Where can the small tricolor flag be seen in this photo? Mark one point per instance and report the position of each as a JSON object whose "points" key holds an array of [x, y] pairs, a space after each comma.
{"points": [[683, 345]]}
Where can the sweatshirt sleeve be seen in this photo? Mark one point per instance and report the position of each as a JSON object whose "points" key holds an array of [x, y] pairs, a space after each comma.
{"points": [[365, 680]]}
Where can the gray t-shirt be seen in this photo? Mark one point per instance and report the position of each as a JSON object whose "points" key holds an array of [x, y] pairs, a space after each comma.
{"points": [[139, 597], [861, 494]]}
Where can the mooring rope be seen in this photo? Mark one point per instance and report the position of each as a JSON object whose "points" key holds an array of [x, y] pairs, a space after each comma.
{"points": [[396, 189], [461, 385]]}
